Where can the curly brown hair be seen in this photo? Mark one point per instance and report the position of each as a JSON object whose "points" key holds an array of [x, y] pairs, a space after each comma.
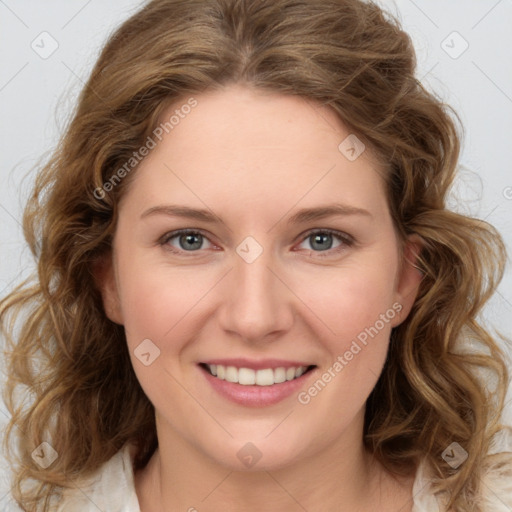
{"points": [[349, 55]]}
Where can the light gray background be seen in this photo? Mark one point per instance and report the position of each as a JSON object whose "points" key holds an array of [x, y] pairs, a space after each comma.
{"points": [[36, 94]]}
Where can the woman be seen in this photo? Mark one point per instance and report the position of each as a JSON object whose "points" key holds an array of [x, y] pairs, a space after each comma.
{"points": [[250, 294]]}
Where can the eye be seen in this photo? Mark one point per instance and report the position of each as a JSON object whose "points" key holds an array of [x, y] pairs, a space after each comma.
{"points": [[188, 240], [321, 240]]}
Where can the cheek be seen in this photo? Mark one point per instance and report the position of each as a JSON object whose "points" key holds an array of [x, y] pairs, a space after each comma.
{"points": [[349, 299], [155, 300], [356, 305]]}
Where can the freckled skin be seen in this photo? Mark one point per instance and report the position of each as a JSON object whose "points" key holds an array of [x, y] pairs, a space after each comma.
{"points": [[254, 158]]}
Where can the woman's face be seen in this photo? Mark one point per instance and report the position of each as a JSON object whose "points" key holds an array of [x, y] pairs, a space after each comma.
{"points": [[292, 262]]}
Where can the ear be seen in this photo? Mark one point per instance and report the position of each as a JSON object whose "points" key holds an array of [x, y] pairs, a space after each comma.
{"points": [[408, 280], [105, 279]]}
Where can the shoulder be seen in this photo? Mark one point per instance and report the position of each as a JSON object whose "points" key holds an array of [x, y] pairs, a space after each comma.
{"points": [[110, 488], [496, 481], [497, 474]]}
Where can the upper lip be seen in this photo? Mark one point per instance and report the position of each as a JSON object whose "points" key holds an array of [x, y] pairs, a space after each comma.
{"points": [[257, 365]]}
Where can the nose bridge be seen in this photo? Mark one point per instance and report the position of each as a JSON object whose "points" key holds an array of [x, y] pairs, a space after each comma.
{"points": [[257, 303]]}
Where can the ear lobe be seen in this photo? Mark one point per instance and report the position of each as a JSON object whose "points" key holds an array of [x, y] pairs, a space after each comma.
{"points": [[105, 279], [409, 279]]}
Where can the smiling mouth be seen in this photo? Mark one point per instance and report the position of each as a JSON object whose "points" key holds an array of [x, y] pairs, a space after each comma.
{"points": [[250, 377]]}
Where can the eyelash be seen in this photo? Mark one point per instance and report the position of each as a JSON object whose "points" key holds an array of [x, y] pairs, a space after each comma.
{"points": [[347, 240]]}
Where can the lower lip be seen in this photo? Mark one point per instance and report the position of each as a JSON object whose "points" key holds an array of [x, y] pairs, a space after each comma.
{"points": [[256, 396]]}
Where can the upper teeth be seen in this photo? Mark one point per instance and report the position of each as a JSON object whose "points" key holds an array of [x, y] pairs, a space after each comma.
{"points": [[249, 377]]}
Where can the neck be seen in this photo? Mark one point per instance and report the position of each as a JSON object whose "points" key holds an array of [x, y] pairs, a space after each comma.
{"points": [[343, 477]]}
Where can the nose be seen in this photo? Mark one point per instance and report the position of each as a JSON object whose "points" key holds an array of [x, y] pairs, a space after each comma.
{"points": [[257, 306]]}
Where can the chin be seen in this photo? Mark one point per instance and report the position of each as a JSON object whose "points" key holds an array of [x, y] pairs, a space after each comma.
{"points": [[258, 455]]}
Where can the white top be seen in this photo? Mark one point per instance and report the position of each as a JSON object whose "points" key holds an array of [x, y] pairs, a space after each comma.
{"points": [[112, 488]]}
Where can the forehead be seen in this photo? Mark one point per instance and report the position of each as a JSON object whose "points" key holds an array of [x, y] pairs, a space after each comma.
{"points": [[257, 148]]}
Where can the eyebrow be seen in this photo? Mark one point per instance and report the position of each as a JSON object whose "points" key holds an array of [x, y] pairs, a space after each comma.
{"points": [[303, 215]]}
